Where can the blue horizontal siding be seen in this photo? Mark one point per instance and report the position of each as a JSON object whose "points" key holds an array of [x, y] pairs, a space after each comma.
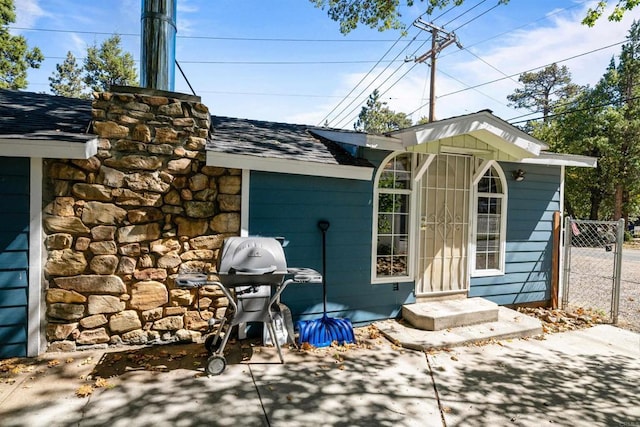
{"points": [[16, 297], [11, 260], [14, 255], [13, 341], [291, 206], [529, 239], [13, 279]]}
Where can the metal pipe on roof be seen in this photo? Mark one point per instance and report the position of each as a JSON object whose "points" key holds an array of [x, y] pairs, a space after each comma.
{"points": [[158, 47]]}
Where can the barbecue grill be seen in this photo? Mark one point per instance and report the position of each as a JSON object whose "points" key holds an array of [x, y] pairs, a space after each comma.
{"points": [[252, 274]]}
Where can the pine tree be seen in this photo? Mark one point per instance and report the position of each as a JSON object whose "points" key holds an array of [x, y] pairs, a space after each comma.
{"points": [[15, 56], [108, 65], [67, 79], [376, 117]]}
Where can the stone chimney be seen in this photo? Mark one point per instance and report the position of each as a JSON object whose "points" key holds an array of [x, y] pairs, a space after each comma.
{"points": [[121, 225]]}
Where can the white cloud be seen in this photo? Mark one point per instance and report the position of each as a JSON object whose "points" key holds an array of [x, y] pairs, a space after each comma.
{"points": [[27, 13]]}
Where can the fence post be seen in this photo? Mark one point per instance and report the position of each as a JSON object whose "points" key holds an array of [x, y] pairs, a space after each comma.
{"points": [[617, 272], [567, 262], [555, 260]]}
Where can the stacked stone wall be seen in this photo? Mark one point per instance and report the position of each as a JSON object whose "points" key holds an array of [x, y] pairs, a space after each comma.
{"points": [[121, 225]]}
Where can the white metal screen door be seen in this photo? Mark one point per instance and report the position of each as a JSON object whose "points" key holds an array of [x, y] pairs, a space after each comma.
{"points": [[444, 226]]}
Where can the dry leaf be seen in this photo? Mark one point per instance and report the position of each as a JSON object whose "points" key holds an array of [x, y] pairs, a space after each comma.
{"points": [[84, 390], [102, 383], [52, 363]]}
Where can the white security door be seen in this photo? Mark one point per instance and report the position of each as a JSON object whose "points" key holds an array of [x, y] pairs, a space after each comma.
{"points": [[444, 226]]}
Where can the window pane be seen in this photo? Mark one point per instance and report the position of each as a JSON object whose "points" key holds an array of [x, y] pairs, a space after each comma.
{"points": [[403, 180], [384, 223], [399, 266], [401, 203], [401, 224], [385, 203], [386, 180], [384, 245], [494, 205], [483, 205], [383, 266], [492, 261], [481, 261]]}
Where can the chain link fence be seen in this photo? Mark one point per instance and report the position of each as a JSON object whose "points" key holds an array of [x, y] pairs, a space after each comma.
{"points": [[592, 266]]}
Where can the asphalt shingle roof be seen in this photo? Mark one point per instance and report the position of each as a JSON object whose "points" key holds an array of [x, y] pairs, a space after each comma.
{"points": [[276, 140], [27, 115]]}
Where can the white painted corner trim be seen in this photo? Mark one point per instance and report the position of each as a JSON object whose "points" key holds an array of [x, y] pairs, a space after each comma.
{"points": [[35, 315], [244, 203], [296, 167]]}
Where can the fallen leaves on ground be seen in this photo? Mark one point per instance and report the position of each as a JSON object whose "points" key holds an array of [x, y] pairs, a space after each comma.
{"points": [[557, 320]]}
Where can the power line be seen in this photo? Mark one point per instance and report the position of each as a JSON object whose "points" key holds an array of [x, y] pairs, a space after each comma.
{"points": [[373, 81], [243, 39], [529, 70], [358, 84], [387, 79], [222, 62], [478, 16], [462, 14], [578, 110]]}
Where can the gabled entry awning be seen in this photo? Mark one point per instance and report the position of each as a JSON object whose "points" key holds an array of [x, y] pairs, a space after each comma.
{"points": [[481, 134]]}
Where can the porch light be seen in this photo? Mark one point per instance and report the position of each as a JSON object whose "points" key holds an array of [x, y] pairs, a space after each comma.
{"points": [[518, 175]]}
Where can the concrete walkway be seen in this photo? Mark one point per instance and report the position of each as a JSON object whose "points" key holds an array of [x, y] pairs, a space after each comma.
{"points": [[588, 377]]}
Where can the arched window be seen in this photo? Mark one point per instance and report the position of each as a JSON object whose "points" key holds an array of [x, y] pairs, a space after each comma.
{"points": [[489, 227], [392, 220]]}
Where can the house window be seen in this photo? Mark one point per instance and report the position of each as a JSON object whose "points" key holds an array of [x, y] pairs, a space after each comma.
{"points": [[490, 223], [392, 219]]}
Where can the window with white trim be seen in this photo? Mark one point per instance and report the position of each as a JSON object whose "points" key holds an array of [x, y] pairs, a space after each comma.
{"points": [[490, 223], [392, 219]]}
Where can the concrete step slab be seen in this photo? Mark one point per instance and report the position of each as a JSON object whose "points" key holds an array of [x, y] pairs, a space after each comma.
{"points": [[445, 314], [510, 324]]}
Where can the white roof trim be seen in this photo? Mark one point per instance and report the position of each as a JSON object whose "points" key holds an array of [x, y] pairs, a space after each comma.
{"points": [[557, 159], [297, 167], [47, 149], [483, 125], [360, 139]]}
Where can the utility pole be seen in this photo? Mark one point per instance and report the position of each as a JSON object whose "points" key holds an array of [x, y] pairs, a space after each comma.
{"points": [[440, 39]]}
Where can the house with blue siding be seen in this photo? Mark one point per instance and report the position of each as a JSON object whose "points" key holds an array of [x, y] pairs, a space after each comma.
{"points": [[461, 207], [457, 208]]}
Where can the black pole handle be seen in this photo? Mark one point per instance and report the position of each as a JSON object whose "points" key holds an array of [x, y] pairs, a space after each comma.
{"points": [[323, 225]]}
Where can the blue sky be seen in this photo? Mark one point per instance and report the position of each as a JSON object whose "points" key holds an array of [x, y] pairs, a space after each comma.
{"points": [[285, 60]]}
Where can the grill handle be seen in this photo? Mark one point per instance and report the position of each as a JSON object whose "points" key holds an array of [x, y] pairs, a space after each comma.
{"points": [[258, 270]]}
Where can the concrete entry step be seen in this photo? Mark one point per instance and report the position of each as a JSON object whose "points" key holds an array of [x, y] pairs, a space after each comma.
{"points": [[445, 314], [510, 324]]}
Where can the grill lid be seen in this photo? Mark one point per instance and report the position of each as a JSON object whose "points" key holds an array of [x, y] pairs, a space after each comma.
{"points": [[251, 260]]}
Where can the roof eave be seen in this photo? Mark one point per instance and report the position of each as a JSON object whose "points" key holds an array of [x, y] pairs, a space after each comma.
{"points": [[558, 159], [359, 139], [289, 166], [48, 149]]}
